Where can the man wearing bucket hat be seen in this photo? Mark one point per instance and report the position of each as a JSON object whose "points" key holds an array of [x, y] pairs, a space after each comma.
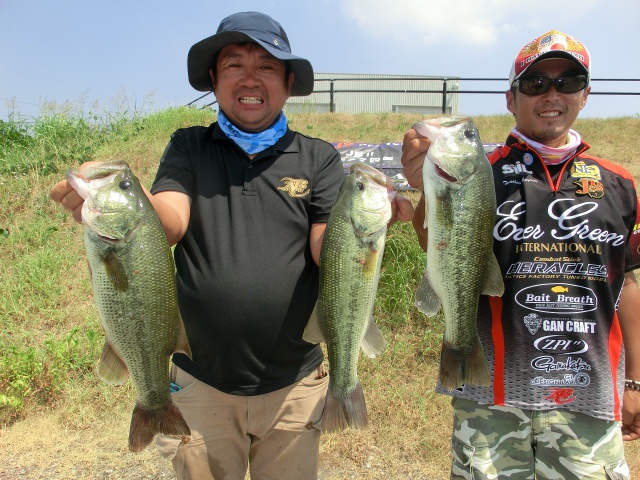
{"points": [[246, 202], [563, 342]]}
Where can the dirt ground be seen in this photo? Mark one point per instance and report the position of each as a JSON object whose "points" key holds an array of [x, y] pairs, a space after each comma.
{"points": [[40, 448]]}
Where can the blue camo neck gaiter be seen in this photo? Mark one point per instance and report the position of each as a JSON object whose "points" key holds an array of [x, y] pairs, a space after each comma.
{"points": [[251, 142]]}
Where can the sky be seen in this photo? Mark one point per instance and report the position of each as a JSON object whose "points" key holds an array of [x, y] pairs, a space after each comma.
{"points": [[96, 56]]}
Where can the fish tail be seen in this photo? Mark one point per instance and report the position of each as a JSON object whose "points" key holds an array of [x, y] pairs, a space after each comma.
{"points": [[146, 424], [341, 413], [459, 367]]}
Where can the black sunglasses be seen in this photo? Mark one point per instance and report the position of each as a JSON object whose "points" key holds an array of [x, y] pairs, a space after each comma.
{"points": [[537, 85]]}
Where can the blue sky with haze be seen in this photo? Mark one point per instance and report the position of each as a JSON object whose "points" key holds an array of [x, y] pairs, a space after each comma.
{"points": [[108, 55]]}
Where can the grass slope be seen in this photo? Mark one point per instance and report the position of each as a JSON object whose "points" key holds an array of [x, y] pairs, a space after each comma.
{"points": [[58, 421]]}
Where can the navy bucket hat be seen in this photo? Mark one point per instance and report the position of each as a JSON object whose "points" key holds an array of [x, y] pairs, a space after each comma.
{"points": [[248, 27]]}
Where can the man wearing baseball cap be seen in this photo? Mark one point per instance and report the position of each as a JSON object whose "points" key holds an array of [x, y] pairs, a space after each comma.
{"points": [[563, 342], [246, 201]]}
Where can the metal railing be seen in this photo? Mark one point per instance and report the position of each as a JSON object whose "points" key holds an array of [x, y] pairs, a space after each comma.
{"points": [[444, 91]]}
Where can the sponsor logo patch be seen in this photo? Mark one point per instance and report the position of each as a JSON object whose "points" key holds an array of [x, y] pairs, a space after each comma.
{"points": [[295, 187]]}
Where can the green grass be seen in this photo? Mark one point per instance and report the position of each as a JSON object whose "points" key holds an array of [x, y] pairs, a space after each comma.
{"points": [[51, 336]]}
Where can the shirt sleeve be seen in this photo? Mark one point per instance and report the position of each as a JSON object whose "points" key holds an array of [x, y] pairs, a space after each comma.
{"points": [[175, 172], [329, 177], [633, 257]]}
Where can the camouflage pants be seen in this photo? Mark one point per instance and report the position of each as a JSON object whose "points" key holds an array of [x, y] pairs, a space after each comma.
{"points": [[493, 442]]}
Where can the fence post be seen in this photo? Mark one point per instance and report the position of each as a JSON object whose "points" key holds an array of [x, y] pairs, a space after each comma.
{"points": [[444, 95], [332, 106]]}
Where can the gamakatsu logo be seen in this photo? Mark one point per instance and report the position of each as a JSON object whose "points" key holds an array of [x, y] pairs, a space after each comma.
{"points": [[548, 298]]}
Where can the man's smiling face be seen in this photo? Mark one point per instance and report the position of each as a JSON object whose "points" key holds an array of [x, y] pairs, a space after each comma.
{"points": [[547, 118], [250, 86]]}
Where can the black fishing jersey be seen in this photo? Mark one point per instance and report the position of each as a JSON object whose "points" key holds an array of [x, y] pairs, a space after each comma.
{"points": [[564, 237]]}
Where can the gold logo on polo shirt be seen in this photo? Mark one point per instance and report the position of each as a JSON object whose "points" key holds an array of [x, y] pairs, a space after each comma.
{"points": [[295, 187]]}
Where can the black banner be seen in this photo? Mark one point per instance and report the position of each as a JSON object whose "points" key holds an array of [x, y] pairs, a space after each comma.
{"points": [[384, 157]]}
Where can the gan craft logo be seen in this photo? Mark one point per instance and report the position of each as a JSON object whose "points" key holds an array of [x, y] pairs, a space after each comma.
{"points": [[557, 298]]}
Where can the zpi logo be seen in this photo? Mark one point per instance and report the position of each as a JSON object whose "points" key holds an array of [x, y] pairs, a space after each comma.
{"points": [[587, 186]]}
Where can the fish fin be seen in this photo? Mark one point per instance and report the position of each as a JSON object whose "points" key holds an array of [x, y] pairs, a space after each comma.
{"points": [[342, 413], [458, 368], [146, 424], [182, 342], [373, 342], [313, 331], [116, 272], [427, 300], [494, 284], [111, 368]]}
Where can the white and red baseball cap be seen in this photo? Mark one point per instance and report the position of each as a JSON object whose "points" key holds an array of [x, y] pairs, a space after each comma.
{"points": [[553, 44]]}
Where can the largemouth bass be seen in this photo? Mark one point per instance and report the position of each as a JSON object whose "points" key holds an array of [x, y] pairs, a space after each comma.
{"points": [[460, 207], [132, 275], [350, 261]]}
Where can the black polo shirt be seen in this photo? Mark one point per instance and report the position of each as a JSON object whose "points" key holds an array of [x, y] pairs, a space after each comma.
{"points": [[245, 276]]}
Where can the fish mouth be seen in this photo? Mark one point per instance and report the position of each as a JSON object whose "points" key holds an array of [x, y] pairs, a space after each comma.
{"points": [[93, 218], [114, 239], [443, 174], [369, 172]]}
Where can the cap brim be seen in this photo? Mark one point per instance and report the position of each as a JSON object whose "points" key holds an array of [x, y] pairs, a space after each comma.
{"points": [[560, 54], [548, 56], [201, 56]]}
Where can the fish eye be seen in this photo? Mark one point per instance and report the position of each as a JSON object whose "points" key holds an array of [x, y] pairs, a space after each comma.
{"points": [[359, 185], [469, 133], [125, 184]]}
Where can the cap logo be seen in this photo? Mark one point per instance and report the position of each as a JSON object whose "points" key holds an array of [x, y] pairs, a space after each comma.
{"points": [[552, 42]]}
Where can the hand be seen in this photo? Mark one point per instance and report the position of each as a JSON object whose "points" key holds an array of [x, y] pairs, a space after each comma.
{"points": [[63, 193], [631, 415], [414, 148], [401, 208]]}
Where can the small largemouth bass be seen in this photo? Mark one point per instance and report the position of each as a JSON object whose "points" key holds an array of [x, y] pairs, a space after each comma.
{"points": [[349, 271], [132, 274], [460, 206]]}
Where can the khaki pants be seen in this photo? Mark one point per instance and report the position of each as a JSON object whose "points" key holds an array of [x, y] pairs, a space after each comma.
{"points": [[276, 435]]}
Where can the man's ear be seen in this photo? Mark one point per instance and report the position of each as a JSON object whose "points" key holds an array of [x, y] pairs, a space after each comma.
{"points": [[213, 80], [585, 96], [511, 101], [292, 77]]}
